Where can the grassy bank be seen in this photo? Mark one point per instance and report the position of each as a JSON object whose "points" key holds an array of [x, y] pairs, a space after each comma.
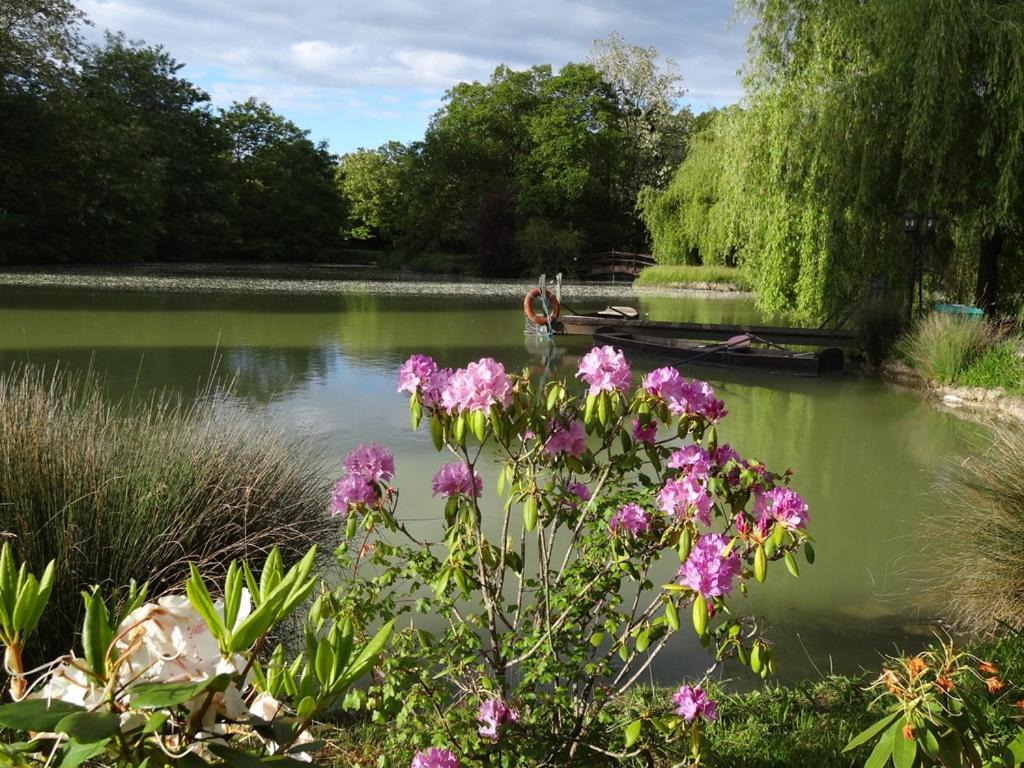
{"points": [[689, 275], [804, 725], [964, 352], [774, 727]]}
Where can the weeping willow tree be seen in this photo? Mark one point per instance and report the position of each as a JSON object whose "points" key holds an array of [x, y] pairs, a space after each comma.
{"points": [[855, 112], [695, 220], [858, 111]]}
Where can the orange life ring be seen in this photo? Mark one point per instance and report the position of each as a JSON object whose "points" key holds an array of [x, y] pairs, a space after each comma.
{"points": [[535, 318]]}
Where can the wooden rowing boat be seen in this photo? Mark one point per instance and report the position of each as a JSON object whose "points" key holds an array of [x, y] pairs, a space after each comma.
{"points": [[738, 352], [628, 319]]}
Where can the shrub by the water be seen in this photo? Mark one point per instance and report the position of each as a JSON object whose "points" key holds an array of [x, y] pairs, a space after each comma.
{"points": [[120, 491], [1001, 366], [981, 542], [942, 346]]}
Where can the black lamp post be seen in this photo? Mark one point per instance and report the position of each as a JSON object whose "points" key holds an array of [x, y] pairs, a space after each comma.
{"points": [[917, 225]]}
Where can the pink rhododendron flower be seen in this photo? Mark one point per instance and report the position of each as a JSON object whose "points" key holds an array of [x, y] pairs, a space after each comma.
{"points": [[693, 459], [452, 479], [434, 758], [694, 702], [664, 383], [783, 505], [724, 453], [681, 495], [581, 490], [415, 373], [684, 398], [492, 715], [477, 387], [605, 369], [629, 517], [644, 434], [373, 463], [707, 570], [568, 440], [351, 491]]}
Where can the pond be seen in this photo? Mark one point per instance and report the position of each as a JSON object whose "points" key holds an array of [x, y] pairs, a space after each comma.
{"points": [[866, 456]]}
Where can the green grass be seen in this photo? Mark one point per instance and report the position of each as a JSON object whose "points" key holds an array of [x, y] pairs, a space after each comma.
{"points": [[941, 347], [687, 274], [137, 490], [777, 726], [1000, 366]]}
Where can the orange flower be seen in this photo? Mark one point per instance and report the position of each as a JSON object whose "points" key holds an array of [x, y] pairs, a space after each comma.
{"points": [[995, 685], [891, 681], [944, 683], [915, 666], [908, 731], [1019, 704], [988, 668]]}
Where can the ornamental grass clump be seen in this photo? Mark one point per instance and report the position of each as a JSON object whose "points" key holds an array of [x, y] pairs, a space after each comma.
{"points": [[118, 491], [941, 346], [577, 528], [981, 542]]}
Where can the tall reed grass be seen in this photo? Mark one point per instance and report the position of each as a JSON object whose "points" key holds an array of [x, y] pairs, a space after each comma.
{"points": [[980, 544], [942, 346], [116, 491]]}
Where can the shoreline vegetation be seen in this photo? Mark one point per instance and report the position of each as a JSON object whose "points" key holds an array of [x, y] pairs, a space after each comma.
{"points": [[309, 278], [703, 277]]}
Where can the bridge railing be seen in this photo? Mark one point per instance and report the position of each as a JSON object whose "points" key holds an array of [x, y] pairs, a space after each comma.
{"points": [[617, 264]]}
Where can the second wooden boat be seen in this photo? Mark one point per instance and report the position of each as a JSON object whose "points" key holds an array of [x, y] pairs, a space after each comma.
{"points": [[737, 352]]}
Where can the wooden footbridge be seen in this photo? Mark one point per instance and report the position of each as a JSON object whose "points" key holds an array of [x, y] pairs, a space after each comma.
{"points": [[615, 265]]}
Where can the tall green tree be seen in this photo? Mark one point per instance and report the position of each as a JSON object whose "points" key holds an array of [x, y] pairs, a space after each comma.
{"points": [[288, 207], [369, 182], [858, 111], [697, 218]]}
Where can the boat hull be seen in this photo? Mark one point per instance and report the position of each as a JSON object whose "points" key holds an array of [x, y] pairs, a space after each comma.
{"points": [[682, 351], [811, 337]]}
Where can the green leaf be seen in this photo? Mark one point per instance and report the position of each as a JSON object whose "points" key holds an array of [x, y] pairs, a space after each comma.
{"points": [[200, 600], [871, 731], [415, 412], [760, 563], [809, 553], [632, 733], [36, 714], [97, 634], [271, 575], [166, 695], [883, 749], [700, 615], [155, 722], [603, 408], [89, 727], [478, 423], [366, 657], [643, 640], [588, 411], [74, 754], [530, 513], [791, 564], [232, 594], [45, 586], [437, 432], [904, 751], [672, 615]]}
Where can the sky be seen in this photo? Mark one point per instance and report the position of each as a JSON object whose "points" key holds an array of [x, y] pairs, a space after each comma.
{"points": [[358, 74]]}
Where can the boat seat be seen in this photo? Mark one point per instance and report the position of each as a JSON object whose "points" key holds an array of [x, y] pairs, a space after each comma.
{"points": [[629, 312]]}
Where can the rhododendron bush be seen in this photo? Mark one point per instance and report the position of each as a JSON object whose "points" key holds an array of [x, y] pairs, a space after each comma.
{"points": [[184, 680], [557, 504]]}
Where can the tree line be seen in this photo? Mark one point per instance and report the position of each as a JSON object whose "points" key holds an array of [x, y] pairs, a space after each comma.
{"points": [[109, 154], [855, 113]]}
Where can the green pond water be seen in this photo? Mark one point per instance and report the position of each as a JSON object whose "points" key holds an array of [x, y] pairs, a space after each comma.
{"points": [[867, 457]]}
